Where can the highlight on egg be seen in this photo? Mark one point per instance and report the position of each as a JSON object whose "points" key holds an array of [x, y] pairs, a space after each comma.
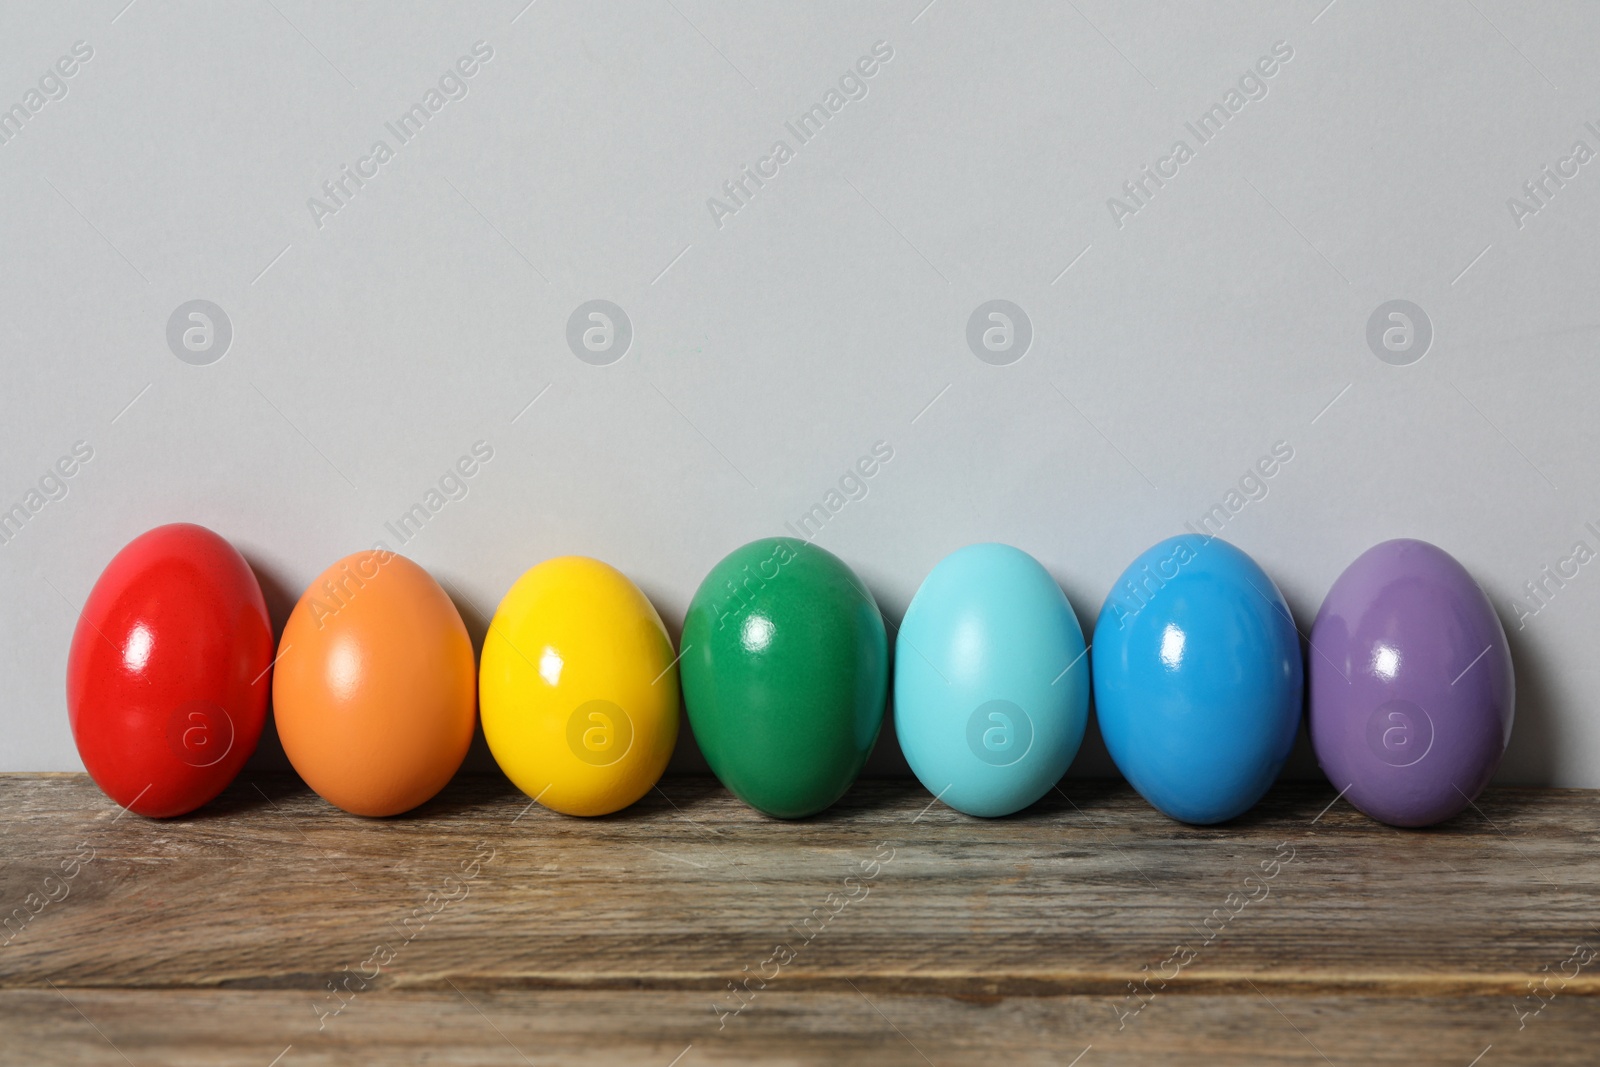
{"points": [[579, 685], [374, 692], [991, 681], [169, 670], [1412, 692], [1197, 678]]}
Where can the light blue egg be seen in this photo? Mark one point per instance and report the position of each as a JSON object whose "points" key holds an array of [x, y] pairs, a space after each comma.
{"points": [[1197, 678], [991, 683]]}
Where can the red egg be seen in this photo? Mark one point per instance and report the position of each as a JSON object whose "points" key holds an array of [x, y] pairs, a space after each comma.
{"points": [[169, 673]]}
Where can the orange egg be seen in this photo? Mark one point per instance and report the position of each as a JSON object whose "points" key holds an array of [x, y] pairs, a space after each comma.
{"points": [[375, 689]]}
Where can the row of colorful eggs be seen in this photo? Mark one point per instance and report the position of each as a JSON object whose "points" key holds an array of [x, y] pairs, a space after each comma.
{"points": [[1198, 679]]}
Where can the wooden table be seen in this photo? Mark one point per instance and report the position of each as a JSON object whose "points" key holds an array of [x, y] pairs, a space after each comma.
{"points": [[270, 928]]}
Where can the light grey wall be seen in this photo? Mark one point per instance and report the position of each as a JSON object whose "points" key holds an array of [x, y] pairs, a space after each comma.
{"points": [[1174, 341]]}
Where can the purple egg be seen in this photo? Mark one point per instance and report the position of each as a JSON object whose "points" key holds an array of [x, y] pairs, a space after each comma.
{"points": [[1412, 693]]}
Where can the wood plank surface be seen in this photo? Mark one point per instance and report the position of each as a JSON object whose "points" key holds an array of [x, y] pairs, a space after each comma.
{"points": [[482, 930]]}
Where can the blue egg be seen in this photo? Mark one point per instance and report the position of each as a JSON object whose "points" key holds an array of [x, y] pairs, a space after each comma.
{"points": [[991, 681], [1197, 678]]}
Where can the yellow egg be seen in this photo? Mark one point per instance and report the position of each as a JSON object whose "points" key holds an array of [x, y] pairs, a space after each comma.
{"points": [[578, 688]]}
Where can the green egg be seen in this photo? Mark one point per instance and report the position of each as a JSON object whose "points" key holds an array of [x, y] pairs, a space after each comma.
{"points": [[785, 672]]}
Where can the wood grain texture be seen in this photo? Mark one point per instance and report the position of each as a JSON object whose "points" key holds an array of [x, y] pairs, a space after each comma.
{"points": [[886, 930]]}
